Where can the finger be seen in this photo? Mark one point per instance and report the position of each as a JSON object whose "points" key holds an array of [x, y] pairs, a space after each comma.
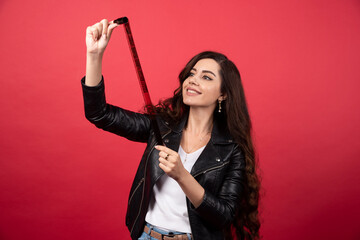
{"points": [[165, 149], [111, 27], [89, 31], [163, 161], [164, 155], [95, 32], [164, 168], [105, 25], [99, 28], [112, 22], [168, 164]]}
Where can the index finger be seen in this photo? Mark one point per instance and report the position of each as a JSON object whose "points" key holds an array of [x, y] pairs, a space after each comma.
{"points": [[111, 27], [165, 149]]}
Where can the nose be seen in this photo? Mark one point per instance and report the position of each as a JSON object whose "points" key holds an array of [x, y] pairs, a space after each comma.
{"points": [[193, 80]]}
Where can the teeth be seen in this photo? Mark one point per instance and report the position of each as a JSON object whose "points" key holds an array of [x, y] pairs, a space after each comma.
{"points": [[191, 91]]}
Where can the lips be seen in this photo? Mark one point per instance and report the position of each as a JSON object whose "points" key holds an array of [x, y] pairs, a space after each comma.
{"points": [[192, 91]]}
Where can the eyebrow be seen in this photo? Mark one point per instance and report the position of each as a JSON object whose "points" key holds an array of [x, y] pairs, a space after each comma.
{"points": [[205, 71]]}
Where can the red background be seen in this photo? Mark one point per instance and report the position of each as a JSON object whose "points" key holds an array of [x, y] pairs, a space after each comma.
{"points": [[62, 178]]}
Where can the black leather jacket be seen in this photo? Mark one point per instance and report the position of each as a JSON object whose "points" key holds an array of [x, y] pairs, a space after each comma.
{"points": [[219, 169]]}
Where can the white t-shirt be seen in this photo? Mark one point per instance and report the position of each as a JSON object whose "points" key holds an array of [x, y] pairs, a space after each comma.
{"points": [[167, 208]]}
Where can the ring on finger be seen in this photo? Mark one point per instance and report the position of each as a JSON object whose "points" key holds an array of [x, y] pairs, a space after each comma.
{"points": [[167, 155]]}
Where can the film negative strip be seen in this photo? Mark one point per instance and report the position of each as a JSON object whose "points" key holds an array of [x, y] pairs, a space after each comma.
{"points": [[145, 92]]}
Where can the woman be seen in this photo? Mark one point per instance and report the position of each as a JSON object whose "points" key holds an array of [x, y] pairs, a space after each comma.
{"points": [[202, 184]]}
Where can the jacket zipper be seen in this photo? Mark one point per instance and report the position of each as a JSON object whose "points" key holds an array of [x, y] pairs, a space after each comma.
{"points": [[142, 195], [136, 189], [209, 169]]}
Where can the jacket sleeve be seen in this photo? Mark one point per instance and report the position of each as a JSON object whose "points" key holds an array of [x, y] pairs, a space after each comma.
{"points": [[219, 210], [128, 124]]}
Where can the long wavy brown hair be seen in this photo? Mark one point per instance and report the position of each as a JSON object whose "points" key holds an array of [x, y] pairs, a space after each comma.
{"points": [[246, 223]]}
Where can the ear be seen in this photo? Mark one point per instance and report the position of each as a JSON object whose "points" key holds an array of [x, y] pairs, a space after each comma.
{"points": [[222, 97]]}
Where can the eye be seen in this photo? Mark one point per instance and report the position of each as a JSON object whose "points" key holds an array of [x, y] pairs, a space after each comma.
{"points": [[206, 77], [191, 74]]}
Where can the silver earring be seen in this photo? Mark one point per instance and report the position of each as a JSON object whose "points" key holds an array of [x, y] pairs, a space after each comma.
{"points": [[219, 106]]}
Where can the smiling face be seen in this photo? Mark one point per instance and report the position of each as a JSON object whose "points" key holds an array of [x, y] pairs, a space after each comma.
{"points": [[202, 87]]}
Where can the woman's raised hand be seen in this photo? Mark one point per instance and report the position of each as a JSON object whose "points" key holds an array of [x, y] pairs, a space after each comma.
{"points": [[98, 36]]}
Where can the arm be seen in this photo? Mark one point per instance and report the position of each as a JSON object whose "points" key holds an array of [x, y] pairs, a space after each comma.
{"points": [[192, 189], [220, 209], [97, 39], [131, 125], [134, 126]]}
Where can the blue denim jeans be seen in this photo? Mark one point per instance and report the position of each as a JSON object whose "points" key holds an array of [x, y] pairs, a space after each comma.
{"points": [[146, 236]]}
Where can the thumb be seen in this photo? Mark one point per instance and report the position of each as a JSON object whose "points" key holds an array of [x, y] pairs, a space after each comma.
{"points": [[111, 27]]}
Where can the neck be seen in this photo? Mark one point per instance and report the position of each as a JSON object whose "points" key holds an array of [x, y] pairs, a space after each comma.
{"points": [[199, 121]]}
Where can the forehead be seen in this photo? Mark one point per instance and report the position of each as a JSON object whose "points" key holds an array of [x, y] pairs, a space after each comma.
{"points": [[207, 64]]}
